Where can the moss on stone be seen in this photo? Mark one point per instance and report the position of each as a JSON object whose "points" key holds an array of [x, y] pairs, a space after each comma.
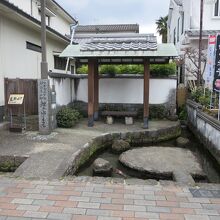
{"points": [[104, 141], [7, 166]]}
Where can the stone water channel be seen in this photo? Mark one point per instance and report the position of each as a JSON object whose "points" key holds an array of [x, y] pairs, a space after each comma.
{"points": [[186, 163]]}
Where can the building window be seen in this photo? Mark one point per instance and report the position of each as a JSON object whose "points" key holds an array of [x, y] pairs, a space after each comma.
{"points": [[48, 20], [60, 63], [182, 28], [174, 36], [34, 47], [178, 30], [216, 9]]}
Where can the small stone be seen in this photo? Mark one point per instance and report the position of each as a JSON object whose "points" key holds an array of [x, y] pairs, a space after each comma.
{"points": [[119, 146], [173, 117], [129, 121], [102, 167], [109, 120], [182, 142]]}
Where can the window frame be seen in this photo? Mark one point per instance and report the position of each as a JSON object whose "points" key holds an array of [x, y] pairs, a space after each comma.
{"points": [[178, 30], [60, 63], [33, 47], [174, 36], [216, 8], [182, 23]]}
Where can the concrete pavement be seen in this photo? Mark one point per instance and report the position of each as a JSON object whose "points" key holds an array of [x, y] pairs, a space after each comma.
{"points": [[86, 200], [47, 155]]}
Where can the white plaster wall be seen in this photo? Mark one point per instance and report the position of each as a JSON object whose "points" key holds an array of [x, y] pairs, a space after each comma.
{"points": [[64, 91], [191, 10], [18, 62], [1, 73], [128, 90], [58, 23], [210, 22], [25, 5]]}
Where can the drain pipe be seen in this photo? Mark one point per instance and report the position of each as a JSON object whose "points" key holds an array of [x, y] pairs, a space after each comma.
{"points": [[73, 27]]}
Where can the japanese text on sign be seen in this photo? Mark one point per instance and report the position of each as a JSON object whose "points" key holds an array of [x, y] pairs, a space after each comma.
{"points": [[43, 89], [16, 99]]}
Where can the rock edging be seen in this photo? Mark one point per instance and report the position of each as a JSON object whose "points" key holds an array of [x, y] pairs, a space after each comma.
{"points": [[103, 141]]}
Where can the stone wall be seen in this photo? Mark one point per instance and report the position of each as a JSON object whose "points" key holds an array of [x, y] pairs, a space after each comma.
{"points": [[205, 128], [158, 111], [136, 138]]}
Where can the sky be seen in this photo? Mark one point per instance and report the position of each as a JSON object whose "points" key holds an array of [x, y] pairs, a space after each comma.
{"points": [[142, 12]]}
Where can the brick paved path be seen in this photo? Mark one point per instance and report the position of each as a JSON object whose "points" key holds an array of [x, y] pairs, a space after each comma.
{"points": [[22, 199]]}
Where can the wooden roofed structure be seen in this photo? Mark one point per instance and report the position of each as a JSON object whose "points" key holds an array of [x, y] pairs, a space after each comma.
{"points": [[117, 49]]}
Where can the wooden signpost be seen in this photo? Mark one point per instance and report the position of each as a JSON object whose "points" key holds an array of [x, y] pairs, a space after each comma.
{"points": [[17, 122]]}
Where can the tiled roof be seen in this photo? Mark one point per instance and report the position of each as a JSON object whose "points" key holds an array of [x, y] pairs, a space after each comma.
{"points": [[121, 44], [115, 45], [195, 33], [82, 29]]}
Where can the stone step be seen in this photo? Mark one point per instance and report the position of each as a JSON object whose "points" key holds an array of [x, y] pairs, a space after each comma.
{"points": [[47, 165], [184, 178]]}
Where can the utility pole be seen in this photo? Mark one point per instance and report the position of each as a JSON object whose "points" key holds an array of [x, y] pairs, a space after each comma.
{"points": [[44, 107], [199, 77], [44, 64]]}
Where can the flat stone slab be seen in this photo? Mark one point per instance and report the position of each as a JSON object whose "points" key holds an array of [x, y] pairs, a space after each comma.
{"points": [[163, 162], [205, 193]]}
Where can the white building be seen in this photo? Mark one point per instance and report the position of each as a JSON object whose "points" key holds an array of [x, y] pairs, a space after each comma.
{"points": [[20, 45], [184, 24]]}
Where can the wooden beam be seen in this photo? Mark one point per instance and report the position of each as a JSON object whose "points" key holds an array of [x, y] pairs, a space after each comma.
{"points": [[146, 91], [91, 101], [96, 91]]}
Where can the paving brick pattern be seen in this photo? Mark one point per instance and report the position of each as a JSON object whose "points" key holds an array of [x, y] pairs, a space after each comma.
{"points": [[70, 200]]}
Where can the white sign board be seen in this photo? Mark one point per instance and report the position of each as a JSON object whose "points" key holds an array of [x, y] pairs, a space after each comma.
{"points": [[16, 99], [209, 73]]}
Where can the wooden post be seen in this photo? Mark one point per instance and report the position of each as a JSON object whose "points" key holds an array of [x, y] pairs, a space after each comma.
{"points": [[96, 91], [146, 92], [91, 85]]}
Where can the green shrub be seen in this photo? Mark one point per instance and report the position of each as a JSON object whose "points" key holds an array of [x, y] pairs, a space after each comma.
{"points": [[156, 69], [183, 113], [67, 117], [163, 69], [196, 93], [201, 96], [158, 112], [83, 69], [108, 69], [204, 101]]}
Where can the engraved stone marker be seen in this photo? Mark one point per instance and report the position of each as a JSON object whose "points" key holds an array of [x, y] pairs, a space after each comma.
{"points": [[44, 106]]}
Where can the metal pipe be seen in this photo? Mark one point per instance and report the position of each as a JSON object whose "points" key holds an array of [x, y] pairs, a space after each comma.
{"points": [[71, 42]]}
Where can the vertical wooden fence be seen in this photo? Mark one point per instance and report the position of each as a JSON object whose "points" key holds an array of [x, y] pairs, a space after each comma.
{"points": [[28, 87]]}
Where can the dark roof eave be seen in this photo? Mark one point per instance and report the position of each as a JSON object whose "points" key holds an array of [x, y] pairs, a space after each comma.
{"points": [[34, 20]]}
